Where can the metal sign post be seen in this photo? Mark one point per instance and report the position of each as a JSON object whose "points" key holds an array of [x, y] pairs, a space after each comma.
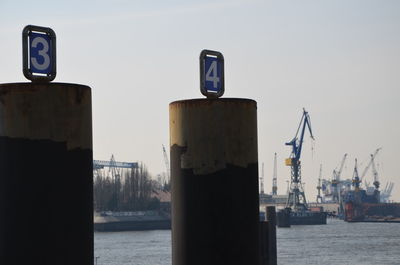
{"points": [[212, 80], [39, 53]]}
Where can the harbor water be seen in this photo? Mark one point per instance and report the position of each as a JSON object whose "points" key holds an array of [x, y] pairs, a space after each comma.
{"points": [[337, 242]]}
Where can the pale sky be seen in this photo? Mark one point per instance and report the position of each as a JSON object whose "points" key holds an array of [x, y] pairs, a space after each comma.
{"points": [[338, 59]]}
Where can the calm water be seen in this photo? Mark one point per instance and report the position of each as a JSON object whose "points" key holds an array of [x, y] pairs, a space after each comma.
{"points": [[335, 243]]}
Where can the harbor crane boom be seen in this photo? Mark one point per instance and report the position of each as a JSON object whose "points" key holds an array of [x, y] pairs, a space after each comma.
{"points": [[370, 163], [297, 143], [339, 172], [336, 187], [375, 173]]}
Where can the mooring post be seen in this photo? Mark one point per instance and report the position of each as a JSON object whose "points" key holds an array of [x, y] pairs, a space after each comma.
{"points": [[283, 218], [272, 250], [214, 165], [264, 247], [46, 175]]}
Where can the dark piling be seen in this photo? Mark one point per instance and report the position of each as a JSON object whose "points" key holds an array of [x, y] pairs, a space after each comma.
{"points": [[214, 164], [46, 200]]}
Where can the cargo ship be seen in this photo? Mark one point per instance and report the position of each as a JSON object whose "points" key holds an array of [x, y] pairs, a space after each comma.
{"points": [[365, 205], [359, 206], [131, 221], [372, 212]]}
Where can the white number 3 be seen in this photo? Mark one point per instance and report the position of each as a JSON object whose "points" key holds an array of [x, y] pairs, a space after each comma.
{"points": [[42, 52]]}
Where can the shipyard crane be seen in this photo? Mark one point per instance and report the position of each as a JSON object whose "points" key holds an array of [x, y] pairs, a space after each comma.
{"points": [[338, 173], [166, 161], [319, 197], [356, 179], [325, 184], [262, 179], [376, 182], [387, 192], [336, 180], [274, 178], [385, 189], [287, 187], [370, 163], [297, 198], [366, 183], [383, 194]]}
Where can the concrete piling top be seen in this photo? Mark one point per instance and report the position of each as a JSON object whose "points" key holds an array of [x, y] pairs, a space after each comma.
{"points": [[223, 129], [26, 107]]}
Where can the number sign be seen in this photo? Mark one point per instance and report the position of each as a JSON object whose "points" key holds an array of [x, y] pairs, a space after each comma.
{"points": [[212, 83], [39, 53]]}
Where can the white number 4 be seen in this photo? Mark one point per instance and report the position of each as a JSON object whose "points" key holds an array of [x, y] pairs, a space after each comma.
{"points": [[212, 74]]}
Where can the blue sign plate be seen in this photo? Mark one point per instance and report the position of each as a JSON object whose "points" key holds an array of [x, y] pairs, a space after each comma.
{"points": [[39, 53], [212, 82]]}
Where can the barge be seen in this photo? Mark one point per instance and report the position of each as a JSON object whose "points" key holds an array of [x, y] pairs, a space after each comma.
{"points": [[131, 221]]}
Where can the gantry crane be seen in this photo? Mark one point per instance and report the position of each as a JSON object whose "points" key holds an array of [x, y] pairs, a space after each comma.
{"points": [[297, 199], [115, 173], [100, 164]]}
